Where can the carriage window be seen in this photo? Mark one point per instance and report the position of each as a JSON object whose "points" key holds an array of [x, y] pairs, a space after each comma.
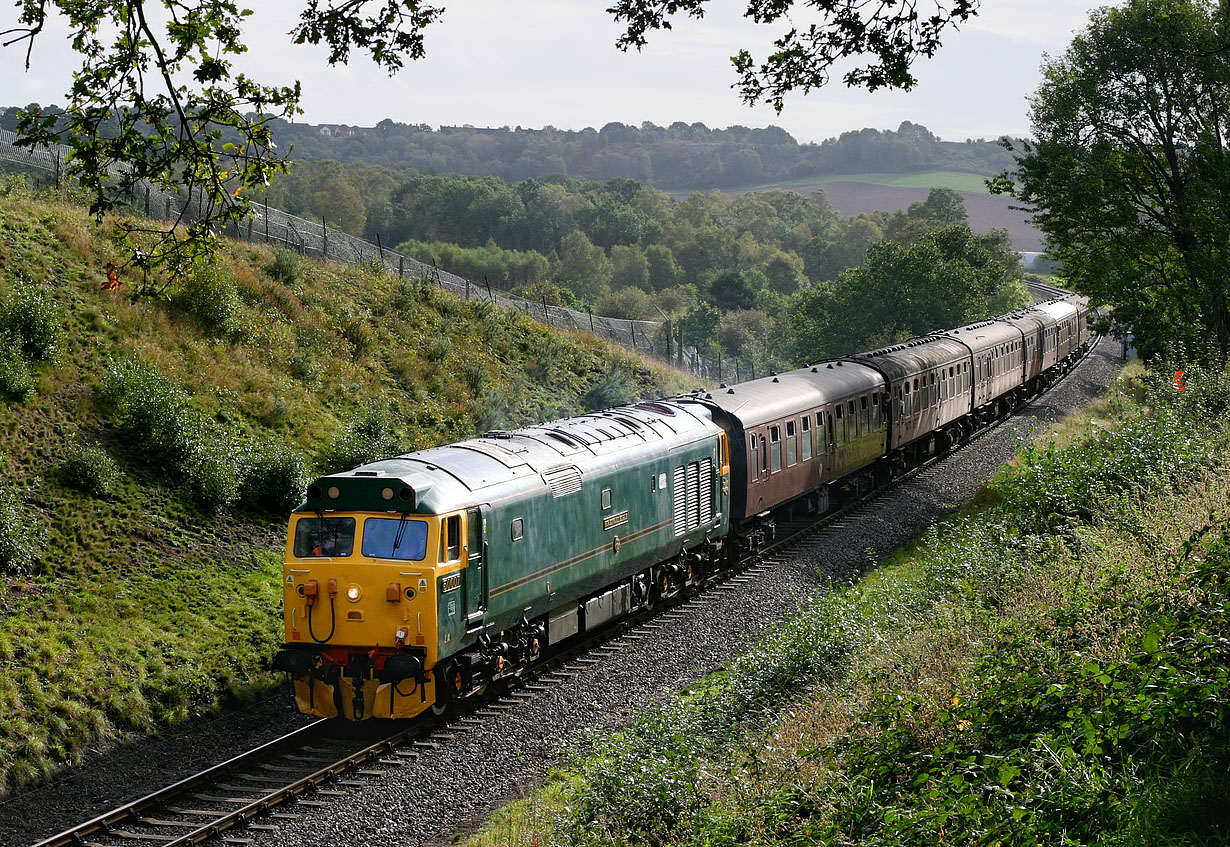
{"points": [[792, 452], [806, 437], [775, 448], [864, 416], [764, 456], [905, 400], [876, 416], [753, 463], [518, 529], [839, 427], [917, 398]]}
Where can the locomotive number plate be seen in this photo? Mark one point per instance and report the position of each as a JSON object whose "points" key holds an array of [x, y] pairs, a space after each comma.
{"points": [[450, 583]]}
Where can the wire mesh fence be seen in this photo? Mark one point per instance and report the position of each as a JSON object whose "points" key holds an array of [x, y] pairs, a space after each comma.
{"points": [[316, 239]]}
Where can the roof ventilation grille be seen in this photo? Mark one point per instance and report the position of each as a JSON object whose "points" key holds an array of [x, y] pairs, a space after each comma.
{"points": [[730, 391], [564, 480], [497, 433]]}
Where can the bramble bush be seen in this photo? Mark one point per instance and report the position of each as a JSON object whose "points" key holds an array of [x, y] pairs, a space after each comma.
{"points": [[274, 478], [88, 468], [31, 321], [210, 296], [158, 424], [20, 534], [367, 436], [16, 379]]}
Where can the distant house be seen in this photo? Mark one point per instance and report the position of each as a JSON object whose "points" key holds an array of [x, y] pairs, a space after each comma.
{"points": [[342, 130]]}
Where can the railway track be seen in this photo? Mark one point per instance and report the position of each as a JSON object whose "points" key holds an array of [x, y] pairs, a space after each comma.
{"points": [[238, 799]]}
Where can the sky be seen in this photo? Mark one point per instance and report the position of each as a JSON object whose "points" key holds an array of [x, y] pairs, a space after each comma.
{"points": [[533, 63]]}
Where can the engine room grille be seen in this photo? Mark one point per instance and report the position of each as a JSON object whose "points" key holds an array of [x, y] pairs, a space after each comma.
{"points": [[693, 495], [563, 480]]}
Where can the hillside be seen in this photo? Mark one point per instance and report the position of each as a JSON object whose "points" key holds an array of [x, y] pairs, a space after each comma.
{"points": [[153, 436]]}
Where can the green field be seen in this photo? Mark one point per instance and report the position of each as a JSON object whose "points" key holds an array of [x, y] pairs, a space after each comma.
{"points": [[958, 180]]}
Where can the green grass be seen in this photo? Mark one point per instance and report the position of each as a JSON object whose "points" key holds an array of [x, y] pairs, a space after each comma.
{"points": [[146, 601], [958, 180]]}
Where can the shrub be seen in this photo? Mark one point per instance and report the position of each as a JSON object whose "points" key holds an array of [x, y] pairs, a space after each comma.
{"points": [[274, 479], [285, 266], [16, 379], [19, 534], [31, 322], [154, 417], [613, 388], [367, 437], [210, 296], [88, 468]]}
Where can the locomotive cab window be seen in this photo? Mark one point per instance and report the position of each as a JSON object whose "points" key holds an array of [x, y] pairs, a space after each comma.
{"points": [[450, 539], [394, 538], [315, 537], [518, 529]]}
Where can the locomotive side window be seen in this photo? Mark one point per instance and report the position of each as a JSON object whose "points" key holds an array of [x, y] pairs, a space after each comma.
{"points": [[518, 529], [792, 452], [775, 448], [324, 537], [450, 539], [393, 538], [806, 437]]}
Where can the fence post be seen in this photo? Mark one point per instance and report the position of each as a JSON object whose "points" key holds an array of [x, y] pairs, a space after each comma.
{"points": [[380, 247], [467, 288], [57, 169], [591, 320], [670, 357], [401, 266], [325, 239], [633, 325], [545, 313], [147, 200], [490, 296]]}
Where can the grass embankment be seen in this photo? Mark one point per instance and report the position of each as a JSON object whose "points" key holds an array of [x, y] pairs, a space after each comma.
{"points": [[1047, 667], [150, 447]]}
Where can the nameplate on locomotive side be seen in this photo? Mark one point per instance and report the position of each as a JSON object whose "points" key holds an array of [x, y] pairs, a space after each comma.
{"points": [[612, 521]]}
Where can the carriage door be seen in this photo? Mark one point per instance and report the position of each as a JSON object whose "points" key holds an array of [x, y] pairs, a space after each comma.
{"points": [[476, 571]]}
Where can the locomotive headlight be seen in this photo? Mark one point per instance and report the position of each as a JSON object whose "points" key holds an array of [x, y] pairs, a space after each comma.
{"points": [[353, 593]]}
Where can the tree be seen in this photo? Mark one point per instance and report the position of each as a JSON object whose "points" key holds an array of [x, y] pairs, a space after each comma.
{"points": [[1129, 176], [894, 34], [583, 268], [186, 120]]}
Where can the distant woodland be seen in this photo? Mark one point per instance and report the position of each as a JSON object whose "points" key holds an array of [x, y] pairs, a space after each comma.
{"points": [[769, 279], [679, 156]]}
